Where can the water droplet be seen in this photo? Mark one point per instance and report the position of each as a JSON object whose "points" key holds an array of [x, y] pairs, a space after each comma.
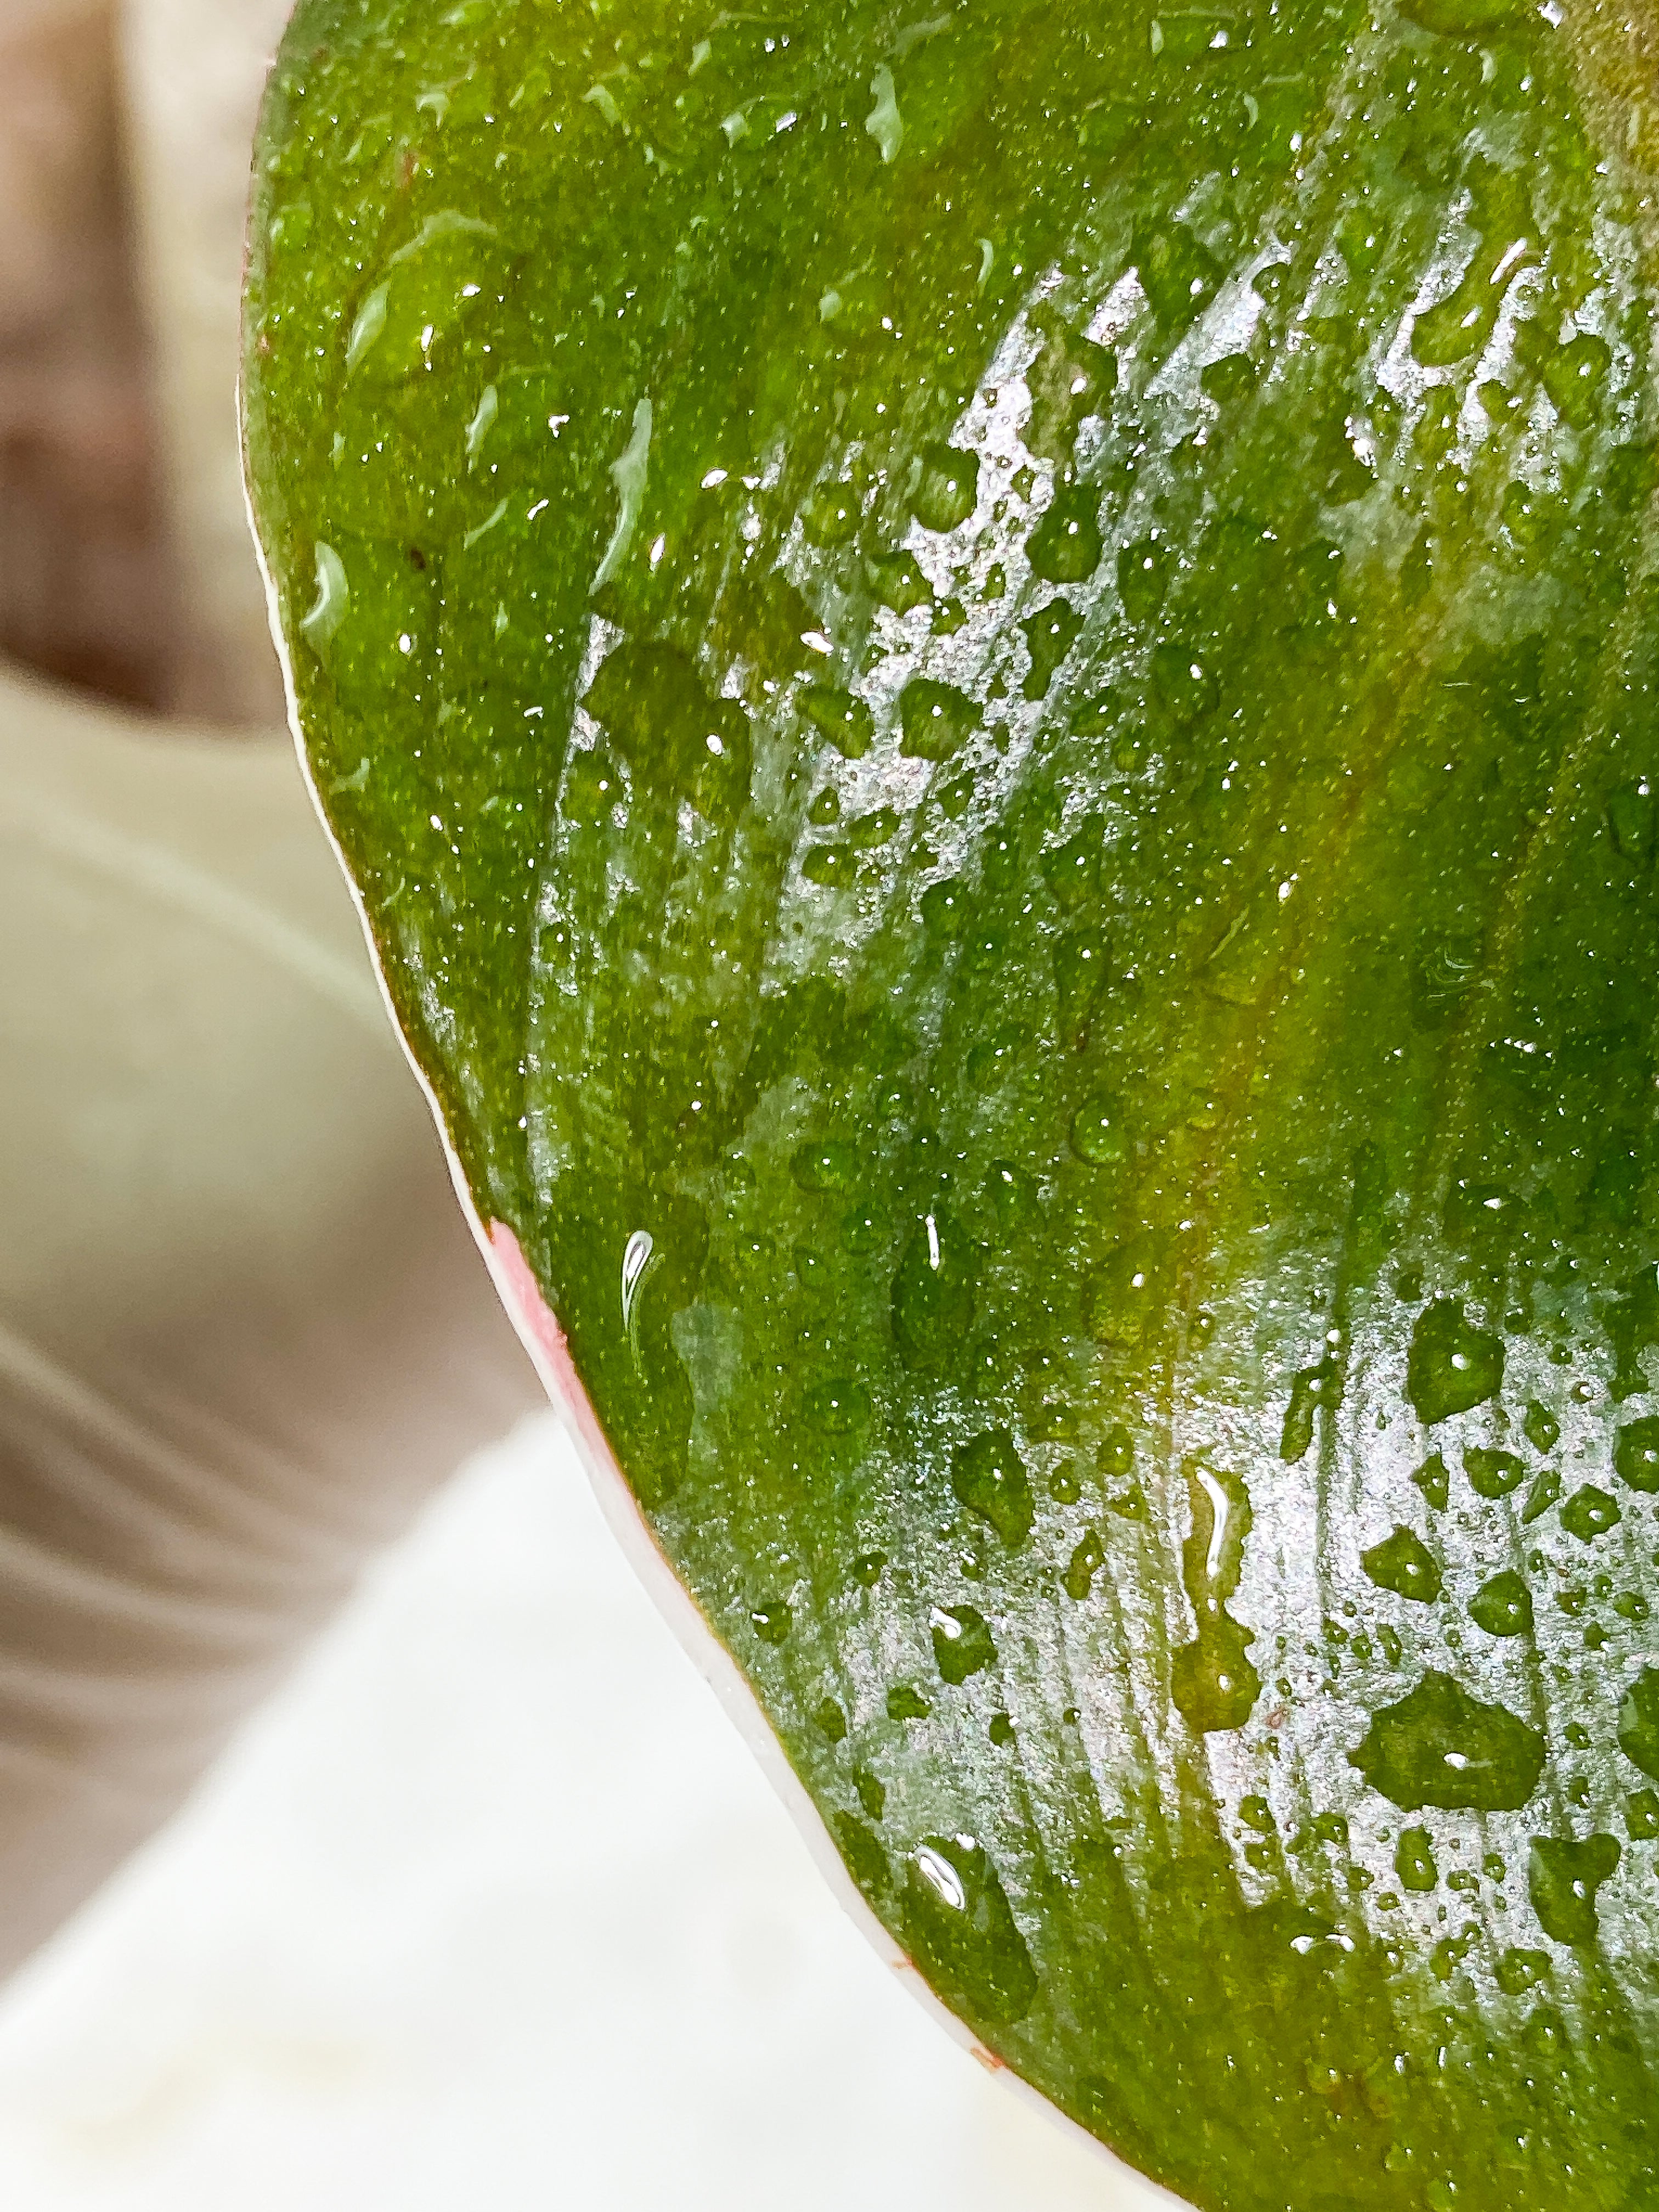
{"points": [[1213, 1680], [1049, 635], [831, 517], [947, 490], [1541, 1493], [837, 1407], [1639, 1722], [1502, 1606], [825, 1166], [962, 1932], [1065, 546], [1001, 1730], [1085, 1562], [1636, 1455], [1310, 1389], [1491, 1473], [1562, 1879], [772, 1621], [1642, 1815], [897, 582], [831, 1720], [837, 715], [883, 123], [962, 1644], [1116, 1456], [1178, 273], [1414, 1861], [935, 1293], [825, 809], [1404, 1563], [1542, 1430], [989, 1479], [873, 1795], [1439, 1746], [906, 1703], [1452, 1366], [866, 1569], [1589, 1513], [935, 720], [1097, 1130]]}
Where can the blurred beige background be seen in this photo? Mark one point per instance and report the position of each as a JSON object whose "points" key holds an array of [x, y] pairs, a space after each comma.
{"points": [[123, 559]]}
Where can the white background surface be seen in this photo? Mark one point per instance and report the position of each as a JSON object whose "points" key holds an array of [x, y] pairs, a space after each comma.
{"points": [[492, 1908]]}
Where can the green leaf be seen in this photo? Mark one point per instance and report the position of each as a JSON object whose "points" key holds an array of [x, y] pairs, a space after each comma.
{"points": [[1011, 695]]}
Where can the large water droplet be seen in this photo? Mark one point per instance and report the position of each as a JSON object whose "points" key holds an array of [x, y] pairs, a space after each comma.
{"points": [[947, 489], [1562, 1879], [989, 1479], [962, 1931], [1439, 1746], [1452, 1366]]}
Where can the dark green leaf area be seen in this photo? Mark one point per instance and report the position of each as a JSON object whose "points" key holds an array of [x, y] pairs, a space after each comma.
{"points": [[993, 688]]}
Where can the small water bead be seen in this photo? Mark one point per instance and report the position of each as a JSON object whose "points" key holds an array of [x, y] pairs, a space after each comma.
{"points": [[959, 1926], [832, 517], [989, 1479], [1636, 1455], [1088, 1557], [947, 489], [1543, 1492], [1432, 1480], [1588, 1513], [1063, 1485], [1542, 1428], [897, 582], [1491, 1473], [935, 720], [1404, 1563], [1096, 1132], [839, 1407], [1573, 375], [873, 1793], [1639, 1722], [865, 1228], [825, 1165], [831, 1721], [868, 1568], [1642, 1815], [846, 721], [772, 1621], [963, 1643], [1067, 544], [825, 808], [865, 832], [1414, 1861], [954, 797], [1145, 571], [1502, 1606], [906, 1703], [1049, 635], [1001, 1730]]}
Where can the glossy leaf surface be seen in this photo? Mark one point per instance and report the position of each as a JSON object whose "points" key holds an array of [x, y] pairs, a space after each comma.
{"points": [[989, 679]]}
